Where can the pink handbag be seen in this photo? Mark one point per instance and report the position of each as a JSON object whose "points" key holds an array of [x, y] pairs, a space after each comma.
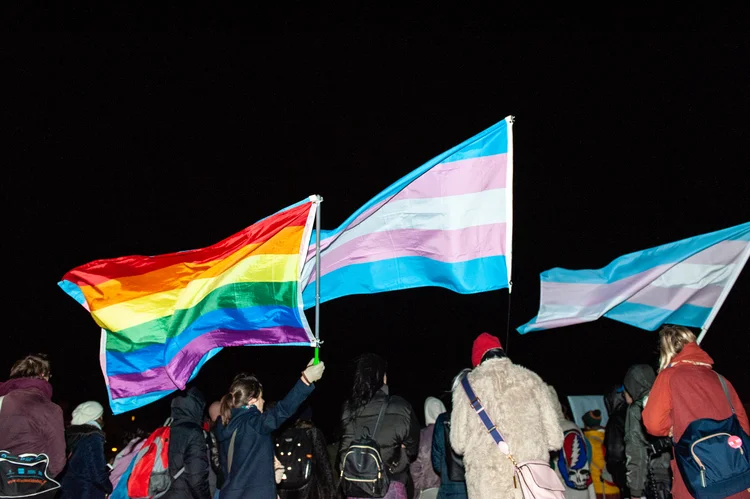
{"points": [[536, 479]]}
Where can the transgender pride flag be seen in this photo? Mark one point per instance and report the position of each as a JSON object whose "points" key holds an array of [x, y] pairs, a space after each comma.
{"points": [[682, 283], [447, 224]]}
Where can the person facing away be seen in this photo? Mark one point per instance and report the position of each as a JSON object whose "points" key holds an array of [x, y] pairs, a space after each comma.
{"points": [[687, 389], [87, 474], [604, 486], [648, 473], [30, 422], [215, 475], [244, 432], [445, 461], [398, 433], [187, 447], [421, 469], [322, 484], [518, 402], [126, 455], [614, 437], [571, 465]]}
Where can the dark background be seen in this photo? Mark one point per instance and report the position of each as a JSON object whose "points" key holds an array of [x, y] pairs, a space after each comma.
{"points": [[146, 143]]}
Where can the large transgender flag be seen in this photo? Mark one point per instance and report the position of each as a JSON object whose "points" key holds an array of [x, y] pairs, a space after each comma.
{"points": [[682, 283], [447, 224]]}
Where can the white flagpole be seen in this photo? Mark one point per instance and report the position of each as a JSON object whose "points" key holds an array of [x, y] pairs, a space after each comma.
{"points": [[724, 293], [317, 281]]}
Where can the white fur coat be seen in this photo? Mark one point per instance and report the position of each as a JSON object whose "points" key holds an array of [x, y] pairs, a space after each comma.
{"points": [[519, 404]]}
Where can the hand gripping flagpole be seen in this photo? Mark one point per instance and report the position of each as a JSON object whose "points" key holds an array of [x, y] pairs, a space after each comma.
{"points": [[317, 282]]}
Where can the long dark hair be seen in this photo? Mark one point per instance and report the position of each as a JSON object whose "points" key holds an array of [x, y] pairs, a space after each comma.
{"points": [[369, 371], [244, 387]]}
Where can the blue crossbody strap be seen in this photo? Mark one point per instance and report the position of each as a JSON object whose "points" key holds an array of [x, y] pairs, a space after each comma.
{"points": [[476, 404]]}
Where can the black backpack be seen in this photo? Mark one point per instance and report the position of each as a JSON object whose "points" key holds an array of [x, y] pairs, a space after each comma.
{"points": [[456, 472], [294, 449], [363, 473]]}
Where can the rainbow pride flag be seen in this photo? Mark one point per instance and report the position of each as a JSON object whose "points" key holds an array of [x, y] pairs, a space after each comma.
{"points": [[164, 316]]}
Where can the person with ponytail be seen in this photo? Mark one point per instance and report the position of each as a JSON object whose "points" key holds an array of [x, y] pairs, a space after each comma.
{"points": [[244, 432], [686, 389]]}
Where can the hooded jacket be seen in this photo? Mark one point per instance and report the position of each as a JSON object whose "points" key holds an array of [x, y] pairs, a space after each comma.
{"points": [[252, 474], [187, 447], [614, 436], [421, 469], [87, 475], [31, 423], [519, 403], [685, 391]]}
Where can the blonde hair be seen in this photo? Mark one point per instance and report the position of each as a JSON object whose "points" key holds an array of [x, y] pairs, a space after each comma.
{"points": [[672, 339], [243, 388]]}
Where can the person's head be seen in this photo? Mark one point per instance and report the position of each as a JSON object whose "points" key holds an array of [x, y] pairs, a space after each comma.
{"points": [[433, 407], [592, 419], [486, 347], [672, 339], [32, 366], [638, 382], [214, 411], [245, 391], [369, 377], [88, 413]]}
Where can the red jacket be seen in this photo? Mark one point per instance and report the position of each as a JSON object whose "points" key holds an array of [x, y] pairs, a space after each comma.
{"points": [[688, 390], [31, 422]]}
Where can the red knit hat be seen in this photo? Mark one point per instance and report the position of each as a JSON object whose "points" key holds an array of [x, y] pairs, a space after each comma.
{"points": [[482, 344]]}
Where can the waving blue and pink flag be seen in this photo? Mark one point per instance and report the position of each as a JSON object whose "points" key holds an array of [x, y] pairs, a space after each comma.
{"points": [[448, 224], [682, 283]]}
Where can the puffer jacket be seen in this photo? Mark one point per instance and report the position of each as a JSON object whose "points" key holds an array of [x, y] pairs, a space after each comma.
{"points": [[187, 448], [399, 426], [686, 391], [86, 475], [641, 467], [519, 403]]}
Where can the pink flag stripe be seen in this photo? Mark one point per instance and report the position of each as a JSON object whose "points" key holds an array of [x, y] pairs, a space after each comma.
{"points": [[449, 246], [466, 176], [675, 297]]}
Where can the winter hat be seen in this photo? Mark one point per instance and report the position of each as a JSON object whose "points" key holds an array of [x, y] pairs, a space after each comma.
{"points": [[433, 407], [592, 418], [87, 412], [482, 344]]}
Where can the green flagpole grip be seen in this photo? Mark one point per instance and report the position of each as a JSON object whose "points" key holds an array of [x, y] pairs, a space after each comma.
{"points": [[317, 356]]}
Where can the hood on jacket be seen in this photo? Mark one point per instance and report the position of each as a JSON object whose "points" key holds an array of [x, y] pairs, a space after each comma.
{"points": [[693, 353], [638, 380], [615, 401], [188, 407], [75, 433], [433, 407], [44, 387]]}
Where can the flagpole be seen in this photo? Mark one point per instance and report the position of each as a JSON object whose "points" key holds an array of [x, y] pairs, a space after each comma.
{"points": [[317, 281], [723, 295]]}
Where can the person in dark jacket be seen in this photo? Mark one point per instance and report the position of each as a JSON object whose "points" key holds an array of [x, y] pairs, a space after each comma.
{"points": [[648, 475], [31, 423], [244, 433], [614, 437], [87, 474], [215, 475], [187, 448], [443, 457], [398, 435]]}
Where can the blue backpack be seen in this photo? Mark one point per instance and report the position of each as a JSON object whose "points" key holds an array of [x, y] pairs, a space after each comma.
{"points": [[714, 456]]}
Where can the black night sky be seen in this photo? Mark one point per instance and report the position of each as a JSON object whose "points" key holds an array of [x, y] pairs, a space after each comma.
{"points": [[152, 143]]}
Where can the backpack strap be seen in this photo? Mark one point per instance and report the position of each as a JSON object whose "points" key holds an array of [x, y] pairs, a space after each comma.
{"points": [[380, 416], [726, 391], [231, 451], [476, 404]]}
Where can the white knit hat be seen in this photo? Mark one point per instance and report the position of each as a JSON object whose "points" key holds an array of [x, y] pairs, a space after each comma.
{"points": [[87, 412]]}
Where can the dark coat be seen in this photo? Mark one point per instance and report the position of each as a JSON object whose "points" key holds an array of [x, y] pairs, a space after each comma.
{"points": [[614, 437], [252, 475], [448, 489], [322, 483], [31, 422], [398, 427], [87, 475], [187, 447]]}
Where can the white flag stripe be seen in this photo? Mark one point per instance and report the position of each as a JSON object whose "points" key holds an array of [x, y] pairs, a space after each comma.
{"points": [[691, 275]]}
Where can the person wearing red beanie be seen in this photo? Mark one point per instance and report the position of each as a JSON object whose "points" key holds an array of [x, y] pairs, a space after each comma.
{"points": [[520, 405]]}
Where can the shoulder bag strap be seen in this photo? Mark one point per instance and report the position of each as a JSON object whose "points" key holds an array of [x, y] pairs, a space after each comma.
{"points": [[726, 391], [231, 451], [476, 404], [1, 403], [380, 416]]}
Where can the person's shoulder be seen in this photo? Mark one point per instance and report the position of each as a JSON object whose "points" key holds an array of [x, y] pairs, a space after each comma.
{"points": [[396, 401]]}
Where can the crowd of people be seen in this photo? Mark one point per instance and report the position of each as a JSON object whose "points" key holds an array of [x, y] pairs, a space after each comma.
{"points": [[242, 447]]}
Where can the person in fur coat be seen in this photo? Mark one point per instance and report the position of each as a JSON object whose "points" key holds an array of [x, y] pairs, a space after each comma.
{"points": [[519, 403]]}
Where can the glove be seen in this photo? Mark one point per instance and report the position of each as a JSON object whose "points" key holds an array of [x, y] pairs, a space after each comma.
{"points": [[278, 470], [313, 372]]}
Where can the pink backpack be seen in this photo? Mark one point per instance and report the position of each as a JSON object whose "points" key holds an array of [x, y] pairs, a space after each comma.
{"points": [[536, 479]]}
